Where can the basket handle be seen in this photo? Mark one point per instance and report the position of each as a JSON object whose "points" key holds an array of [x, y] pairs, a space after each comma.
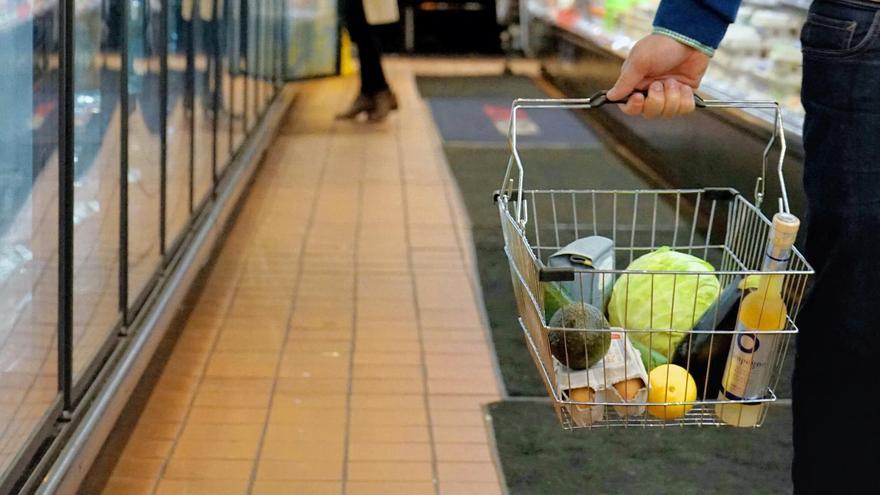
{"points": [[599, 99]]}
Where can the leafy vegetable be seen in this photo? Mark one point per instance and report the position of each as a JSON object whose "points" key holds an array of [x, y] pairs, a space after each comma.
{"points": [[665, 303]]}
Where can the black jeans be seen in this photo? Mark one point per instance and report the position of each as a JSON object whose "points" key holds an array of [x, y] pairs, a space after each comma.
{"points": [[369, 51], [836, 368]]}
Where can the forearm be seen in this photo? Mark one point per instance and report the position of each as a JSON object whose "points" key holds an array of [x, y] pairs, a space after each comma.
{"points": [[700, 24]]}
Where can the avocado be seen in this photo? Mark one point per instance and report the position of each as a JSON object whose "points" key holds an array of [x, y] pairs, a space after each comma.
{"points": [[573, 348], [555, 297]]}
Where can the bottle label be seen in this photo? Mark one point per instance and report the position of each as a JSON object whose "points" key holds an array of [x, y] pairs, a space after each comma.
{"points": [[747, 373]]}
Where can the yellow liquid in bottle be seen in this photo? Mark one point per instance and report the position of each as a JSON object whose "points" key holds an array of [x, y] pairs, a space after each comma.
{"points": [[760, 310]]}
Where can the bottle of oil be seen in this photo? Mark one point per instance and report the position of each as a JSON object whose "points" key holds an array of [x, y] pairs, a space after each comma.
{"points": [[751, 356]]}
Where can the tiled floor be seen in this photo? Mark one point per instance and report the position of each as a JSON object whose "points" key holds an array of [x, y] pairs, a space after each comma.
{"points": [[338, 346]]}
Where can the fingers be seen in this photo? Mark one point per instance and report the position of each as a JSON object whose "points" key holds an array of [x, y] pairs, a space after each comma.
{"points": [[634, 105], [655, 102], [687, 100], [631, 74], [668, 98], [672, 90]]}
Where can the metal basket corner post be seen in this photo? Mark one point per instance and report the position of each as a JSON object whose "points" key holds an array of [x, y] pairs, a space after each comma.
{"points": [[719, 225]]}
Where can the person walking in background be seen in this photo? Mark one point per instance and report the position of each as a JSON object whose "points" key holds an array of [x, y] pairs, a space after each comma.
{"points": [[837, 348], [375, 96]]}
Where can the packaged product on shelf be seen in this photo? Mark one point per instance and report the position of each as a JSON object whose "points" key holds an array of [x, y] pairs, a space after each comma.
{"points": [[773, 23]]}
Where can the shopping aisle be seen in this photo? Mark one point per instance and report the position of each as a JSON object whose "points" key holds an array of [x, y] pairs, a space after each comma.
{"points": [[338, 345]]}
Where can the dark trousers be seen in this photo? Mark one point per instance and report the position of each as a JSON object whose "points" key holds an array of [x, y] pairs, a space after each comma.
{"points": [[369, 51], [835, 421]]}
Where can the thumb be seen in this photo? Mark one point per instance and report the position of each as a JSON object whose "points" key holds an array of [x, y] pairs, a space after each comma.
{"points": [[630, 76]]}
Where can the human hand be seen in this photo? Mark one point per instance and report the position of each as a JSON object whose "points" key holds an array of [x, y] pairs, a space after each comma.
{"points": [[669, 70]]}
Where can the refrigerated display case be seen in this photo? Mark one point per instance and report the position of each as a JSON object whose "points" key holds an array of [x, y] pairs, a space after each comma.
{"points": [[758, 59], [581, 45], [122, 125]]}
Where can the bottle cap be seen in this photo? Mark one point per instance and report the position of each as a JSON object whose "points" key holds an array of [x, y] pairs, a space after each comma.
{"points": [[786, 223], [785, 229]]}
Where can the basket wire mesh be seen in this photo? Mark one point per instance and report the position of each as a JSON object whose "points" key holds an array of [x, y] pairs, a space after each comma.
{"points": [[718, 225]]}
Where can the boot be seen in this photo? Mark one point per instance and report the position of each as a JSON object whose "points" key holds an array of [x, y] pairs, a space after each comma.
{"points": [[362, 103], [384, 103]]}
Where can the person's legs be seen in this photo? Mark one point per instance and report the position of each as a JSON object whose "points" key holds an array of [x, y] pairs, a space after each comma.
{"points": [[375, 97], [835, 424], [369, 53]]}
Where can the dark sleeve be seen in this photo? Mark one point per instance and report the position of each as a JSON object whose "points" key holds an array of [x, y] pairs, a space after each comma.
{"points": [[697, 23]]}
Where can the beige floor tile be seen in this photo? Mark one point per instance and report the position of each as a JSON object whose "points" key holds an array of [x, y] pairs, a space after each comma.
{"points": [[386, 358], [480, 385], [458, 402], [467, 471], [411, 385], [299, 333], [148, 449], [312, 385], [230, 398], [228, 415], [457, 347], [383, 371], [148, 430], [389, 434], [460, 434], [469, 488], [473, 417], [285, 400], [227, 432], [273, 469], [462, 452], [236, 384], [432, 336], [389, 488], [129, 486], [401, 452], [389, 471], [208, 469], [130, 467], [402, 417], [215, 449], [281, 448], [280, 437], [202, 487], [247, 341], [387, 401], [306, 364], [264, 487], [242, 364], [310, 417], [396, 346]]}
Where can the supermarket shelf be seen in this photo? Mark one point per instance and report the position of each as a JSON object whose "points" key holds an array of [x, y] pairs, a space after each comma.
{"points": [[803, 5], [619, 44]]}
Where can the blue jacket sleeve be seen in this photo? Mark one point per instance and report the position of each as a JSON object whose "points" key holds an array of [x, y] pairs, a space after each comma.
{"points": [[697, 23]]}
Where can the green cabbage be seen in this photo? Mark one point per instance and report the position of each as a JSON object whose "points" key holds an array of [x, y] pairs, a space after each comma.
{"points": [[671, 302]]}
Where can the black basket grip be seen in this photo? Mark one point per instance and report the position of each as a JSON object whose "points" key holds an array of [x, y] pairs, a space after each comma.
{"points": [[601, 98], [511, 195], [556, 274], [720, 193]]}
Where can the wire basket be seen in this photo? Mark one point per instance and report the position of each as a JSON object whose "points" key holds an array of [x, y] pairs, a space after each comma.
{"points": [[625, 382]]}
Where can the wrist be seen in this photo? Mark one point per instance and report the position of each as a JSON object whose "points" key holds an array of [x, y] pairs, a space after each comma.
{"points": [[700, 24], [685, 40]]}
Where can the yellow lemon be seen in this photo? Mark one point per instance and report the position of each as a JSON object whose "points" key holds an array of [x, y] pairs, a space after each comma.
{"points": [[671, 383]]}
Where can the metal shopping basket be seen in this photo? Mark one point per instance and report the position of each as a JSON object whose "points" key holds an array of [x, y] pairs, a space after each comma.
{"points": [[718, 225]]}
